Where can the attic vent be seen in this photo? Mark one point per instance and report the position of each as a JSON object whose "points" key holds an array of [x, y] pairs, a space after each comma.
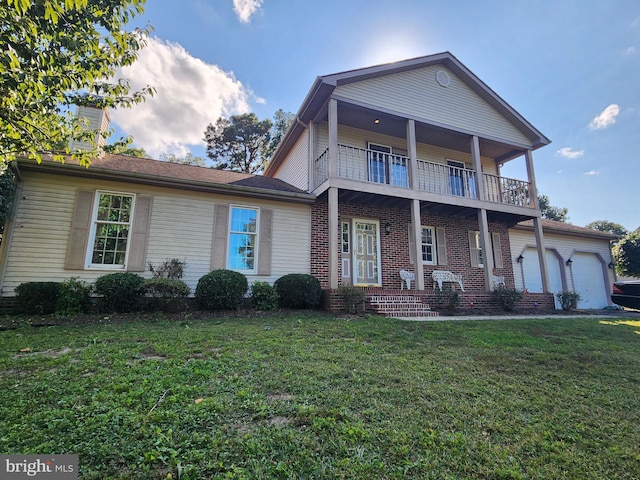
{"points": [[442, 78]]}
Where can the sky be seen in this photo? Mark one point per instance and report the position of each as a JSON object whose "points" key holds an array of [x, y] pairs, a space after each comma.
{"points": [[570, 67]]}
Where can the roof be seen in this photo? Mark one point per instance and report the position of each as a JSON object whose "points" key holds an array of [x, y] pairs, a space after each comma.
{"points": [[173, 175], [324, 86], [553, 226]]}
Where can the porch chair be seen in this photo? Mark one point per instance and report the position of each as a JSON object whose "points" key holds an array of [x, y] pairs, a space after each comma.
{"points": [[408, 277]]}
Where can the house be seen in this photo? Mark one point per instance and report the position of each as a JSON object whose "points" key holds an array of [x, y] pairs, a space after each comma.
{"points": [[124, 212], [578, 260], [405, 160]]}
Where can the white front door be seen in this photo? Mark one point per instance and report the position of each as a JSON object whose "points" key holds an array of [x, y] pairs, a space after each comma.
{"points": [[366, 253]]}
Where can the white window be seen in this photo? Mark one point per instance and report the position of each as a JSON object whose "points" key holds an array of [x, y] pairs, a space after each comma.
{"points": [[243, 239], [428, 241], [475, 246], [387, 165], [111, 225]]}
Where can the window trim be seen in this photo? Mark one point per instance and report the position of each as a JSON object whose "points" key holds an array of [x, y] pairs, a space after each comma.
{"points": [[93, 222], [434, 245], [256, 246]]}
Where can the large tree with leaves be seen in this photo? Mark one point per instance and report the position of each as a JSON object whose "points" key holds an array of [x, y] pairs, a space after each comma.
{"points": [[607, 226], [281, 122], [550, 212], [238, 143], [59, 53], [627, 254]]}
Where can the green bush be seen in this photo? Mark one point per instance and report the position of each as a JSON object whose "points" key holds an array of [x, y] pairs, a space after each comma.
{"points": [[298, 290], [352, 297], [568, 300], [448, 299], [507, 297], [221, 290], [264, 296], [74, 297], [37, 297], [173, 269], [120, 292], [165, 288]]}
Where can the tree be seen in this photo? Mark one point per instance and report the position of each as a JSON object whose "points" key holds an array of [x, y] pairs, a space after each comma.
{"points": [[627, 254], [550, 212], [188, 159], [607, 226], [59, 53], [119, 149], [238, 143], [7, 189], [281, 122]]}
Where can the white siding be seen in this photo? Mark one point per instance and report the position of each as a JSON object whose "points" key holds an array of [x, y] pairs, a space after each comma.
{"points": [[181, 227], [295, 170], [416, 93]]}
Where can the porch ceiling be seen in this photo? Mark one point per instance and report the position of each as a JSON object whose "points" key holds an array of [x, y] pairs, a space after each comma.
{"points": [[392, 125]]}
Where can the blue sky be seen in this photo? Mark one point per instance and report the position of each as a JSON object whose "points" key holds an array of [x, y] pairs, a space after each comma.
{"points": [[571, 67]]}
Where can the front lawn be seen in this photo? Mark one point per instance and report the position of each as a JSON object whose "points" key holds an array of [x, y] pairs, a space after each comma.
{"points": [[311, 396]]}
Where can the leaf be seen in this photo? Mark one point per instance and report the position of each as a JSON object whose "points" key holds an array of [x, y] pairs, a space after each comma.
{"points": [[26, 349], [198, 400]]}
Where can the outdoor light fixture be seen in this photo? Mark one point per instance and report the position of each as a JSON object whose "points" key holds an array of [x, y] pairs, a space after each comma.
{"points": [[387, 228], [569, 262], [612, 265], [376, 121], [520, 259]]}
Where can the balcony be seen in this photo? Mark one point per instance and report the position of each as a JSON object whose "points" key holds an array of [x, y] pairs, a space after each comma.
{"points": [[372, 166]]}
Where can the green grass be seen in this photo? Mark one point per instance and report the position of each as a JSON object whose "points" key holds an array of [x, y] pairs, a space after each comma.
{"points": [[310, 396]]}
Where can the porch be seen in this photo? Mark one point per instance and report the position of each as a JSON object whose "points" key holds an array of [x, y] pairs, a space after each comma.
{"points": [[381, 168]]}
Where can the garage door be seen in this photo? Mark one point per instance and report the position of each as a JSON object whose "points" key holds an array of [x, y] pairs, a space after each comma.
{"points": [[588, 280], [531, 271]]}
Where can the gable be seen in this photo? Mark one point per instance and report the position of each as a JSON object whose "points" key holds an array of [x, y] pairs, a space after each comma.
{"points": [[417, 94]]}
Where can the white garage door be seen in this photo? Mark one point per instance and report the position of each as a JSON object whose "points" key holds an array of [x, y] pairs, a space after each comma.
{"points": [[531, 271], [588, 280]]}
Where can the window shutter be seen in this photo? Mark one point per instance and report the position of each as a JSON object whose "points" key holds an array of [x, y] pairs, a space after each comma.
{"points": [[79, 234], [220, 234], [473, 249], [497, 250], [265, 242], [441, 239], [412, 246], [137, 260]]}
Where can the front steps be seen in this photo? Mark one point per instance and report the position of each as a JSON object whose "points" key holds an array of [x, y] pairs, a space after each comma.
{"points": [[401, 306]]}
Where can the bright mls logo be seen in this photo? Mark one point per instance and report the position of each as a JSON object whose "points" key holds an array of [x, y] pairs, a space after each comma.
{"points": [[50, 467]]}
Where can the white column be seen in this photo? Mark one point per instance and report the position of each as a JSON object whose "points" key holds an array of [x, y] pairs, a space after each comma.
{"points": [[487, 251], [477, 167], [542, 258], [333, 237], [413, 155], [531, 175], [333, 138], [312, 156], [417, 243]]}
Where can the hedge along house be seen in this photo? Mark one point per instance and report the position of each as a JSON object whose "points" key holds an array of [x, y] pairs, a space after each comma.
{"points": [[405, 160], [124, 212]]}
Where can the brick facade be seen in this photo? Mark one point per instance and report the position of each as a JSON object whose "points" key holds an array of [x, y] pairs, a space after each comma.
{"points": [[394, 247]]}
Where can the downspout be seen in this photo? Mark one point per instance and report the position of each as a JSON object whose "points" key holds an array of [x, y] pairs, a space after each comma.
{"points": [[7, 236]]}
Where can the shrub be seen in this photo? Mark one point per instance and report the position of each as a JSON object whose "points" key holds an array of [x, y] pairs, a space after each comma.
{"points": [[352, 297], [221, 290], [298, 290], [165, 288], [507, 297], [172, 269], [448, 299], [37, 297], [121, 292], [74, 297], [568, 300], [264, 296]]}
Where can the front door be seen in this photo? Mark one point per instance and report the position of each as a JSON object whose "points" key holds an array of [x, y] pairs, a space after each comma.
{"points": [[366, 253]]}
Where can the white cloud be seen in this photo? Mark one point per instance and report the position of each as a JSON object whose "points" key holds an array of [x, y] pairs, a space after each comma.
{"points": [[245, 8], [630, 51], [592, 172], [568, 152], [190, 94], [606, 118], [636, 22]]}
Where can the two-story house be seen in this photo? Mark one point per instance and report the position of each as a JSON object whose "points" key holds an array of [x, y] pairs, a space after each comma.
{"points": [[405, 161]]}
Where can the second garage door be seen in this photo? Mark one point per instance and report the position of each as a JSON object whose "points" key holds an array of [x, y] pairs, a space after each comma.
{"points": [[589, 280]]}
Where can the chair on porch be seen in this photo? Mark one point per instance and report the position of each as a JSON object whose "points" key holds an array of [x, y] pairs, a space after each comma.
{"points": [[406, 277]]}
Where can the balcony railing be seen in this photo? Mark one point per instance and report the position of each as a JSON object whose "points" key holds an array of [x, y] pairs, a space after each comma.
{"points": [[391, 169]]}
